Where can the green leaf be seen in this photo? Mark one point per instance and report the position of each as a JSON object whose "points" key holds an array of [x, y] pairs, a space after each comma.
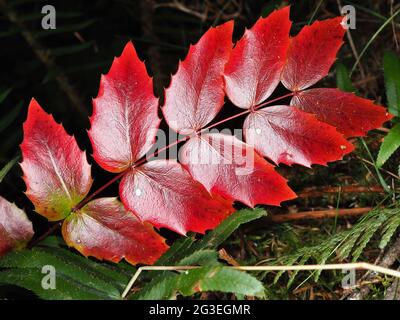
{"points": [[36, 259], [188, 251], [390, 227], [214, 238], [230, 280], [120, 272], [391, 68], [211, 240], [76, 277], [9, 165], [219, 278], [176, 252], [53, 242], [202, 258], [347, 243], [389, 145], [343, 80], [66, 288]]}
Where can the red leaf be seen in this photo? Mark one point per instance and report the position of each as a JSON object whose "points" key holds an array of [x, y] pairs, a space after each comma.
{"points": [[312, 53], [105, 230], [56, 171], [288, 135], [15, 228], [196, 93], [163, 193], [229, 167], [351, 115], [254, 68], [124, 121]]}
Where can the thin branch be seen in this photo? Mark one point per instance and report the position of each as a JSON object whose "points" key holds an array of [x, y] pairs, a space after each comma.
{"points": [[381, 169], [95, 193], [157, 152], [394, 26], [374, 36], [321, 214], [154, 154], [323, 191], [181, 7], [53, 228], [352, 45], [339, 266]]}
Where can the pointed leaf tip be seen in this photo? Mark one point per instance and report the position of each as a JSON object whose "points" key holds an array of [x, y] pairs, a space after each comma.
{"points": [[311, 53], [255, 65], [196, 93], [56, 172], [352, 116], [125, 120]]}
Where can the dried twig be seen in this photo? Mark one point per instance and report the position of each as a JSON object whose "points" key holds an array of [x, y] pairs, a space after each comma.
{"points": [[321, 214], [322, 191], [383, 170], [339, 266], [227, 257], [352, 45], [181, 7], [394, 26]]}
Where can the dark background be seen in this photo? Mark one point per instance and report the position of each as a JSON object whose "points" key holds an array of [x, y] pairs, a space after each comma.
{"points": [[61, 68]]}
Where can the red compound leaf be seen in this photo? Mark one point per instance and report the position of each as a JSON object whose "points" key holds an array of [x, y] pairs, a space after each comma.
{"points": [[288, 135], [254, 69], [124, 121], [220, 168], [351, 115], [105, 230], [15, 228], [163, 193], [312, 53], [56, 172], [229, 167], [196, 93]]}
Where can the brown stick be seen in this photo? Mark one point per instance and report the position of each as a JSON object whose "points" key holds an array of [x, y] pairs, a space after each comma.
{"points": [[332, 213], [52, 229], [319, 192]]}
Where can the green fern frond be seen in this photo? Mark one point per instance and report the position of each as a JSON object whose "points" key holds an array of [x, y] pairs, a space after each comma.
{"points": [[346, 244]]}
